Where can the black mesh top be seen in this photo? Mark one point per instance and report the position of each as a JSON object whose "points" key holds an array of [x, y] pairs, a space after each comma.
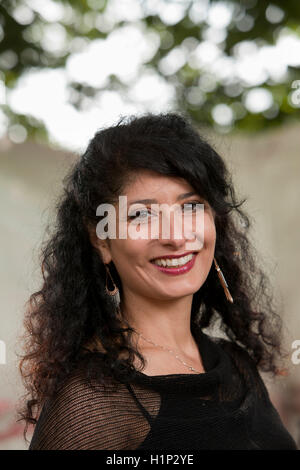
{"points": [[226, 407]]}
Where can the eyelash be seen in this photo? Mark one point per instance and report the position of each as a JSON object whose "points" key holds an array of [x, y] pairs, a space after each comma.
{"points": [[132, 217]]}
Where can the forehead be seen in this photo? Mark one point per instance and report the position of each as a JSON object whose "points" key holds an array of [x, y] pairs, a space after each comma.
{"points": [[148, 184]]}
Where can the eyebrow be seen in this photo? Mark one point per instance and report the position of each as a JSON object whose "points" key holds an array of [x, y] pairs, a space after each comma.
{"points": [[150, 201]]}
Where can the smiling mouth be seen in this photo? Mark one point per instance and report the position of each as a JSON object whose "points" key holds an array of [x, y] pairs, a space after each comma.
{"points": [[174, 263]]}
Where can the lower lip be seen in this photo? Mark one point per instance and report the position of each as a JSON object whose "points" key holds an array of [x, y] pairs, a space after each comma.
{"points": [[180, 270]]}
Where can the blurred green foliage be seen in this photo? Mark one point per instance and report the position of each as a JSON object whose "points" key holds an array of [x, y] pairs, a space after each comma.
{"points": [[22, 49]]}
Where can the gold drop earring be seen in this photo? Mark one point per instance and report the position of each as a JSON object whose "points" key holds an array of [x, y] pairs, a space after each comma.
{"points": [[223, 282], [115, 294]]}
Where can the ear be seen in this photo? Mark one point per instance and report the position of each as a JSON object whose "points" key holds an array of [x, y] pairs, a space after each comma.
{"points": [[102, 246]]}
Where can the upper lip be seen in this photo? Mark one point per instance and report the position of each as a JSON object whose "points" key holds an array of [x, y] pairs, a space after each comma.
{"points": [[173, 256]]}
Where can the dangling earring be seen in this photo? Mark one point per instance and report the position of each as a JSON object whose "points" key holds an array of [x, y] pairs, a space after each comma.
{"points": [[115, 294], [223, 282]]}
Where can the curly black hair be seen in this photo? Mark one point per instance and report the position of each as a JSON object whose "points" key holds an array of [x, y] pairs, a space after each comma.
{"points": [[71, 318]]}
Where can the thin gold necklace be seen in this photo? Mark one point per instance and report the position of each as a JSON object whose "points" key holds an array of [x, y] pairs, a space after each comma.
{"points": [[163, 347]]}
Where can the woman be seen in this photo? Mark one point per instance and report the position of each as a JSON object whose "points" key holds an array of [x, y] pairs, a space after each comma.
{"points": [[117, 357]]}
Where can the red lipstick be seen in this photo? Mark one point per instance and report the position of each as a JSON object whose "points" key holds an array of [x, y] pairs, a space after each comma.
{"points": [[180, 269]]}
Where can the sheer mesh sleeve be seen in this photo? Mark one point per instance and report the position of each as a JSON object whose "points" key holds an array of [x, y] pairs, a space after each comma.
{"points": [[81, 417]]}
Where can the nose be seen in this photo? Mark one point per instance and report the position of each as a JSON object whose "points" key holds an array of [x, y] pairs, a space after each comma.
{"points": [[172, 231]]}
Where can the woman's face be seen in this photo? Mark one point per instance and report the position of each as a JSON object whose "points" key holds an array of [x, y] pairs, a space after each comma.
{"points": [[133, 257]]}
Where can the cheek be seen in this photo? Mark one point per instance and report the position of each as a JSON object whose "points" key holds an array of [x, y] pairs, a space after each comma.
{"points": [[211, 233], [207, 230], [129, 253]]}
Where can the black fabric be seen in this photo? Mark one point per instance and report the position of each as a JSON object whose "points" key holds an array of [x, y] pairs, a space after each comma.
{"points": [[227, 407]]}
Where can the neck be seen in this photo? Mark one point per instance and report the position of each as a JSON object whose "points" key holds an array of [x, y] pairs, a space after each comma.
{"points": [[166, 323]]}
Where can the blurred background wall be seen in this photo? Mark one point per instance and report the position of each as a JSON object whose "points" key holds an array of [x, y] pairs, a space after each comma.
{"points": [[69, 68]]}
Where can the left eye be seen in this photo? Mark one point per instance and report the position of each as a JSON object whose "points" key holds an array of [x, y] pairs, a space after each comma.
{"points": [[192, 204]]}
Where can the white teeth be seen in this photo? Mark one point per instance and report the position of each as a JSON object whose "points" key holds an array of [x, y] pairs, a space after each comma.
{"points": [[174, 261]]}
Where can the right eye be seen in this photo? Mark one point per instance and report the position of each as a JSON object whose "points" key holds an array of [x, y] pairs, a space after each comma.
{"points": [[138, 214]]}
